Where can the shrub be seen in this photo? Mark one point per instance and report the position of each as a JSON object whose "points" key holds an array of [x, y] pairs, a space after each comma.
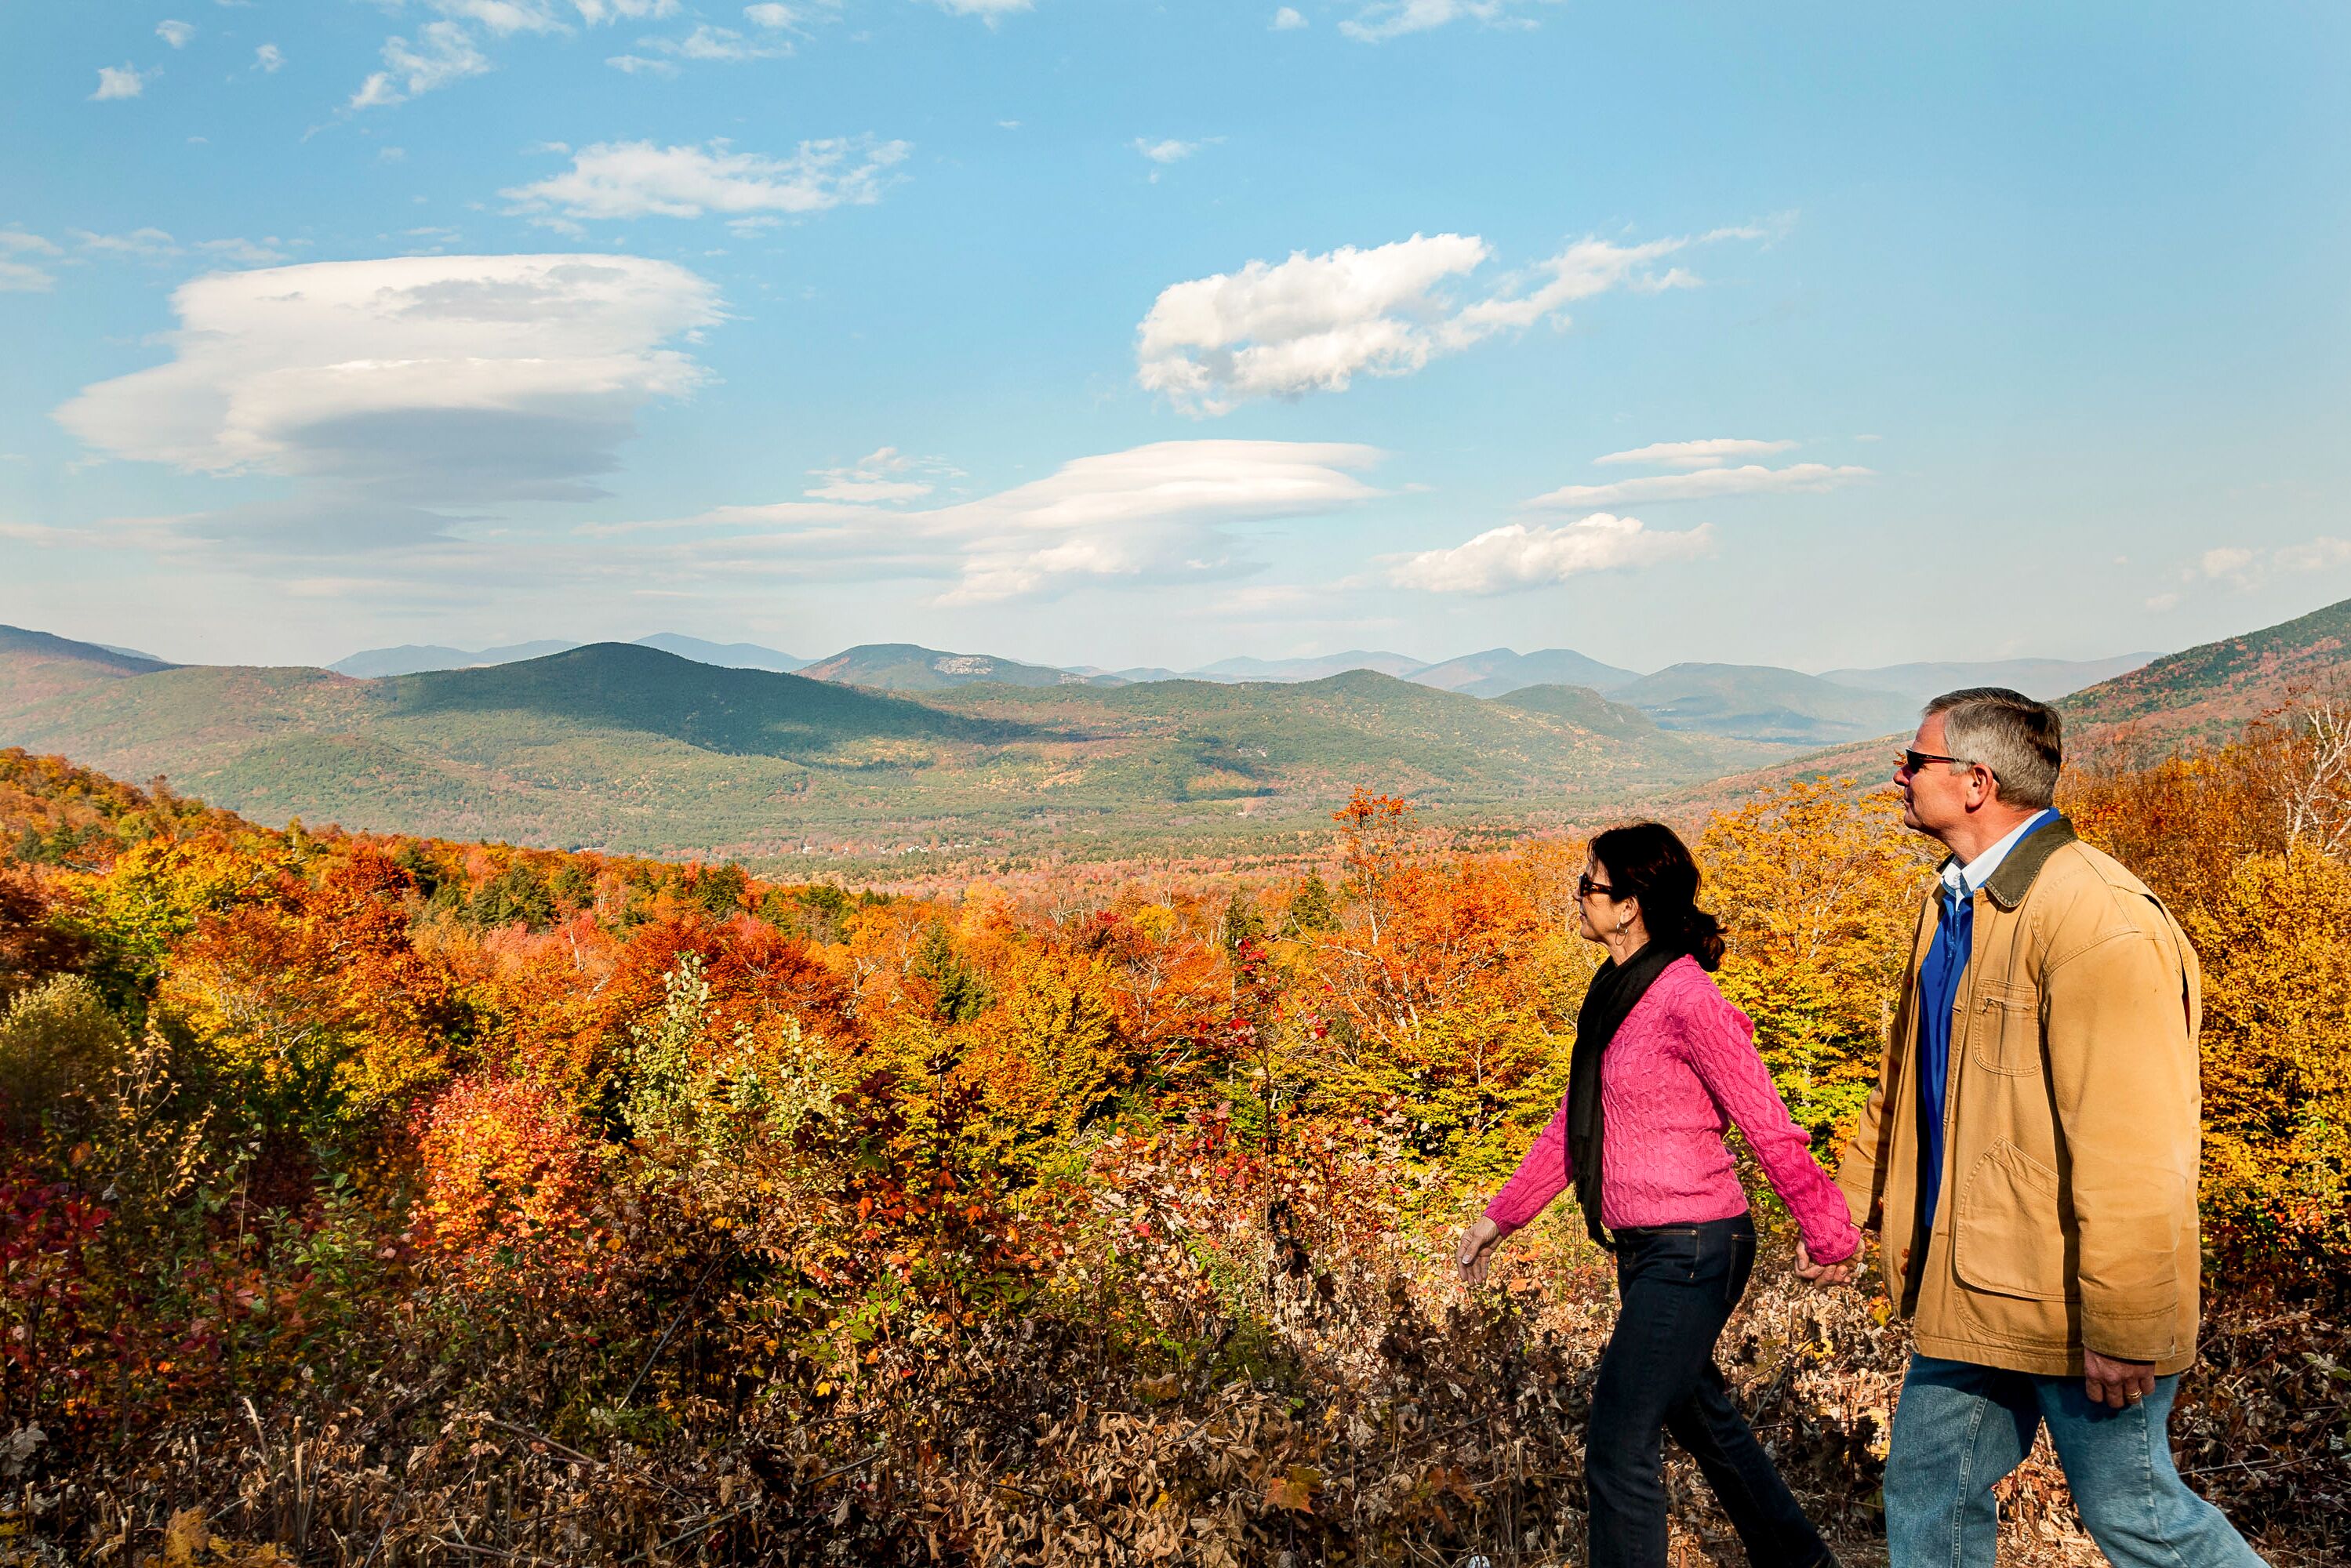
{"points": [[58, 1045]]}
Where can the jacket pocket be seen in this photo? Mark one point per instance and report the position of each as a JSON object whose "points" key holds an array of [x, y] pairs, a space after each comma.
{"points": [[2007, 1237], [2006, 1033]]}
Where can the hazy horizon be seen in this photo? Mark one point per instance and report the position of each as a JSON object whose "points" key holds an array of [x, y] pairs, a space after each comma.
{"points": [[1418, 659]]}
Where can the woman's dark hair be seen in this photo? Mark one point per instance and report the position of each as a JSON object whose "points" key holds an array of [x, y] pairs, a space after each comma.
{"points": [[1648, 861]]}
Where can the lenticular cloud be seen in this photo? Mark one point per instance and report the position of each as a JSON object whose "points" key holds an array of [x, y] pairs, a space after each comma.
{"points": [[428, 380]]}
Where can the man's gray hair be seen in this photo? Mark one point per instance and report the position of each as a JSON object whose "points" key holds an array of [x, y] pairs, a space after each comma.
{"points": [[2022, 741]]}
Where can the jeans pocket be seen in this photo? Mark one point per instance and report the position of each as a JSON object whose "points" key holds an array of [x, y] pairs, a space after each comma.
{"points": [[1741, 1251], [1671, 1253]]}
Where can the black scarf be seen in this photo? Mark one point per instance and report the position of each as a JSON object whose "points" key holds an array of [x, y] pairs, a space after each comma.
{"points": [[1614, 991]]}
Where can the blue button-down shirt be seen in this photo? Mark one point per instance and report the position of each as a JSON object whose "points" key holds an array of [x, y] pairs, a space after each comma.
{"points": [[1939, 992]]}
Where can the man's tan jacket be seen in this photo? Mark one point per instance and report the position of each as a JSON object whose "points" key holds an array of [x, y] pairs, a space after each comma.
{"points": [[2067, 1215]]}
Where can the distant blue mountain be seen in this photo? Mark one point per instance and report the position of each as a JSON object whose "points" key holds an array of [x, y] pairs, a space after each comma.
{"points": [[1498, 672], [726, 655], [415, 658], [1313, 669], [2047, 679]]}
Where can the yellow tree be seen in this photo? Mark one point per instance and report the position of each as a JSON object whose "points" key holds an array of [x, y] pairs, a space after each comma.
{"points": [[1052, 1058], [2277, 1057], [1816, 888], [315, 996]]}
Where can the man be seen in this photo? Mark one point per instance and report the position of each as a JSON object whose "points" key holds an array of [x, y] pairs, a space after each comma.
{"points": [[2030, 1155]]}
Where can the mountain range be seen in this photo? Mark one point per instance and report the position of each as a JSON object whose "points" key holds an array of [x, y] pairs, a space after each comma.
{"points": [[1740, 702], [625, 747], [632, 747]]}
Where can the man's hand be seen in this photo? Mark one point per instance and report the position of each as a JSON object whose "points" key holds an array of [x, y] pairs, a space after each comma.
{"points": [[1477, 1249], [2115, 1384], [1826, 1273]]}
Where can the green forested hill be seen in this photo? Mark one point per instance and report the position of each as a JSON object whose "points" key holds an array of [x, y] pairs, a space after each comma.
{"points": [[1582, 706], [2207, 692], [906, 667], [34, 664], [1203, 739], [628, 747]]}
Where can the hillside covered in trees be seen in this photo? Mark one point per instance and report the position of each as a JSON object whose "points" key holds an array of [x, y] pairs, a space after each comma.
{"points": [[373, 1199], [631, 747], [633, 750]]}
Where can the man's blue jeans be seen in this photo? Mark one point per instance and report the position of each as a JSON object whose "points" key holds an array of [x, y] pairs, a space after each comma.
{"points": [[1960, 1428]]}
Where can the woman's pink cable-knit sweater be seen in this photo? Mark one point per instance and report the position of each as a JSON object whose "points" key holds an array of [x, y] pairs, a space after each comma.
{"points": [[1681, 1069]]}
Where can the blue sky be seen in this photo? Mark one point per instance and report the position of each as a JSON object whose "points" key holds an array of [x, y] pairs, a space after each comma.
{"points": [[1088, 332]]}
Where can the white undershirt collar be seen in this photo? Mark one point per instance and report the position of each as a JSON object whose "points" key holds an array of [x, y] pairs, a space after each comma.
{"points": [[1970, 878]]}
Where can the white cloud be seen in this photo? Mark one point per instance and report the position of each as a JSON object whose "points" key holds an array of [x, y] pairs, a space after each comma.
{"points": [[1167, 152], [637, 179], [1704, 484], [417, 380], [1386, 20], [1696, 454], [886, 475], [263, 251], [1522, 555], [1287, 18], [706, 43], [499, 18], [1153, 514], [444, 53], [790, 18], [269, 58], [503, 18], [2230, 560], [2162, 601], [2247, 568], [175, 34], [2320, 554], [23, 276], [988, 10], [1587, 267], [145, 245], [634, 64], [1313, 323], [594, 12], [119, 81]]}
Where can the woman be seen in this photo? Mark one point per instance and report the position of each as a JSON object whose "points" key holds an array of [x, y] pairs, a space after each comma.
{"points": [[1662, 1065]]}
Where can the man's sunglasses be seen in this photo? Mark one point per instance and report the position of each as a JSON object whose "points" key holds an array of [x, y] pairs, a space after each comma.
{"points": [[1914, 760], [1585, 887]]}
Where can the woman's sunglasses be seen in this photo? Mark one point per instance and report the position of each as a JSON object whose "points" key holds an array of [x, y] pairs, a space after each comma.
{"points": [[1585, 887]]}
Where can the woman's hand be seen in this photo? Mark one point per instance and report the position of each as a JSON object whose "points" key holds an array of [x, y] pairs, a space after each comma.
{"points": [[1478, 1248], [1826, 1273]]}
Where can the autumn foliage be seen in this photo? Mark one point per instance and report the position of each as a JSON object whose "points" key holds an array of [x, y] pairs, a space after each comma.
{"points": [[370, 1200]]}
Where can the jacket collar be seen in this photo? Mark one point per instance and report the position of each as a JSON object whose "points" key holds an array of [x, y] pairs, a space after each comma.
{"points": [[2014, 880]]}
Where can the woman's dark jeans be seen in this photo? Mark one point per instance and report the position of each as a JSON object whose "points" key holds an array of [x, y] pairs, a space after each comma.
{"points": [[1676, 1285]]}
